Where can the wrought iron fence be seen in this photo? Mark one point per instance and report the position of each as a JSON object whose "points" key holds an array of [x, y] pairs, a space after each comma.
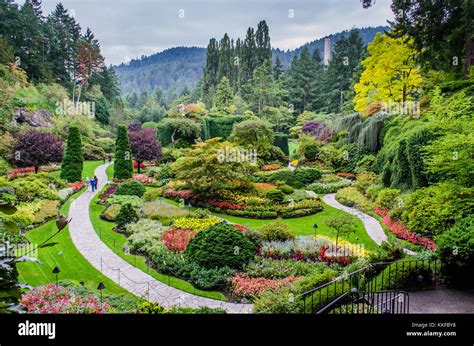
{"points": [[372, 279]]}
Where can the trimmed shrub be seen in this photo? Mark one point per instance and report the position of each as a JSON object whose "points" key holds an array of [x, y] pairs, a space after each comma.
{"points": [[111, 212], [153, 194], [72, 165], [126, 215], [123, 168], [275, 195], [279, 301], [130, 188], [286, 189], [220, 245], [277, 230], [92, 152], [387, 198], [280, 140]]}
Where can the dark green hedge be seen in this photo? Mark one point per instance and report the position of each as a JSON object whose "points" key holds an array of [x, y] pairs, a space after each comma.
{"points": [[281, 141], [220, 126]]}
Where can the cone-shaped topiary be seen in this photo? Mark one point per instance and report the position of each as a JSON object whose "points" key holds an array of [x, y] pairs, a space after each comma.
{"points": [[71, 167], [123, 167]]}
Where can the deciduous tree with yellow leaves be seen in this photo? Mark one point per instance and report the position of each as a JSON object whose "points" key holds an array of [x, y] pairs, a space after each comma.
{"points": [[390, 73]]}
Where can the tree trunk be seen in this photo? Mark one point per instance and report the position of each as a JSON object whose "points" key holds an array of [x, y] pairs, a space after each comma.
{"points": [[138, 166], [36, 169], [468, 60]]}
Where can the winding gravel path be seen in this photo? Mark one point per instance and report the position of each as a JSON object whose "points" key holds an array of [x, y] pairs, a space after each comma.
{"points": [[129, 277], [372, 226]]}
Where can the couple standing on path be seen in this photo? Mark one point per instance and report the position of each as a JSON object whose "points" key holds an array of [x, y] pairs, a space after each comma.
{"points": [[92, 184]]}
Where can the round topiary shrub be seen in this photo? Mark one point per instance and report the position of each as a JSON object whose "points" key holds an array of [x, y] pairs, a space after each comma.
{"points": [[220, 245], [131, 188]]}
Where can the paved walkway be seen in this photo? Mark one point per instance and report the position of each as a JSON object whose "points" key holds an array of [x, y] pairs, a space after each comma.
{"points": [[372, 225], [129, 277], [442, 300]]}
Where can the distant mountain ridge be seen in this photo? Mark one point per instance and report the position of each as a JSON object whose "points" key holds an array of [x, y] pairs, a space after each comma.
{"points": [[176, 68]]}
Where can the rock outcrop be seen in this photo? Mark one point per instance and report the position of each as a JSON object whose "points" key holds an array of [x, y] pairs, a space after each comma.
{"points": [[39, 118]]}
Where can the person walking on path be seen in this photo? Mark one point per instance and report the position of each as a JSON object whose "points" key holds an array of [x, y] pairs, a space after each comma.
{"points": [[96, 182], [93, 184], [110, 159], [88, 184]]}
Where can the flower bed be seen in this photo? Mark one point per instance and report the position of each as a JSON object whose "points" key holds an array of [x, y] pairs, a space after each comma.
{"points": [[177, 240], [303, 249], [245, 287], [402, 232], [146, 180], [19, 172], [185, 194], [225, 205], [77, 186], [108, 192], [53, 299], [194, 224]]}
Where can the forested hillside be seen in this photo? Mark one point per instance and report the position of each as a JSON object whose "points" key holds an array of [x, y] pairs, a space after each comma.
{"points": [[178, 68]]}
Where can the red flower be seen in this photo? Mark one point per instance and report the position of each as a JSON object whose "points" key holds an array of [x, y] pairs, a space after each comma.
{"points": [[402, 232], [224, 204], [177, 239]]}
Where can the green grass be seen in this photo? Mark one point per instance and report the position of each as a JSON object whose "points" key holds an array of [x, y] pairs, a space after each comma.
{"points": [[304, 225], [88, 170], [292, 144], [110, 172], [116, 241], [73, 266]]}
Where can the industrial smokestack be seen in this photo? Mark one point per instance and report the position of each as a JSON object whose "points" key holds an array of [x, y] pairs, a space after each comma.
{"points": [[327, 50]]}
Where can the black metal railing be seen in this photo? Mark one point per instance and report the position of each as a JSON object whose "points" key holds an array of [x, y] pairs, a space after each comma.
{"points": [[382, 302], [376, 277]]}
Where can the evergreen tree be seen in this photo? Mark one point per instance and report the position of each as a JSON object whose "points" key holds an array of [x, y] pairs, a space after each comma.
{"points": [[223, 97], [442, 31], [263, 50], [225, 64], [302, 79], [248, 58], [123, 167], [65, 35], [339, 78], [72, 165], [212, 65], [263, 88], [277, 68]]}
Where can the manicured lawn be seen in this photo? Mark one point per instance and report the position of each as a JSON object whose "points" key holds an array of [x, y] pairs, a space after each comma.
{"points": [[88, 170], [115, 241], [110, 172], [304, 225], [61, 252]]}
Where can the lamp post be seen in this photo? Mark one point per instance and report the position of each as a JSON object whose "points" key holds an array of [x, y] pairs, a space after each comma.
{"points": [[56, 271], [315, 227], [100, 288]]}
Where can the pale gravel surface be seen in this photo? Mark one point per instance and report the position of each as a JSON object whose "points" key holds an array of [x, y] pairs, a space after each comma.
{"points": [[117, 269]]}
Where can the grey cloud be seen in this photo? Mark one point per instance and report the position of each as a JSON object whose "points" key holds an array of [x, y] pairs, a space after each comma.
{"points": [[131, 28]]}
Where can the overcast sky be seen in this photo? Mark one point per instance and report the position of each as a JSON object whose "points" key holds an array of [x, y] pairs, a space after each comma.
{"points": [[130, 28]]}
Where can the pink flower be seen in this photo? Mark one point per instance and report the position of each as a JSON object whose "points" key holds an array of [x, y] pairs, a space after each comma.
{"points": [[245, 287]]}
